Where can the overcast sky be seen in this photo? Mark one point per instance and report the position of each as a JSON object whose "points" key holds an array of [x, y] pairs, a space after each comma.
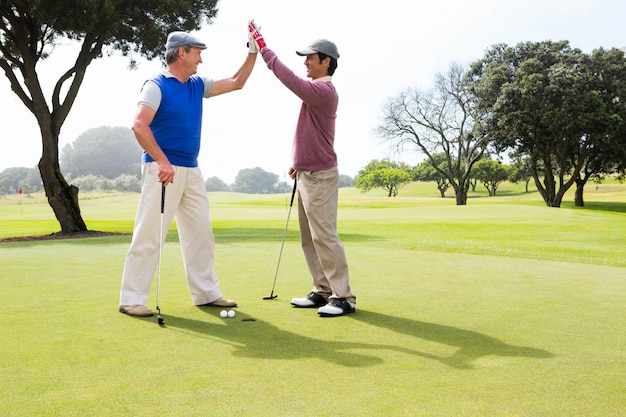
{"points": [[385, 47]]}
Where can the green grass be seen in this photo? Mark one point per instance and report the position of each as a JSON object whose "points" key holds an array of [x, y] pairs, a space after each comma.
{"points": [[503, 307]]}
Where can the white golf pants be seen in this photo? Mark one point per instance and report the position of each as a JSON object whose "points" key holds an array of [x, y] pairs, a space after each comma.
{"points": [[185, 199]]}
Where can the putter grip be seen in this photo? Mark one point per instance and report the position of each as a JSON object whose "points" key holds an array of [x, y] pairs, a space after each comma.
{"points": [[293, 193], [162, 198]]}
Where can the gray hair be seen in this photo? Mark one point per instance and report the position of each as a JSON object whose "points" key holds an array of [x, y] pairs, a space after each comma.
{"points": [[171, 54]]}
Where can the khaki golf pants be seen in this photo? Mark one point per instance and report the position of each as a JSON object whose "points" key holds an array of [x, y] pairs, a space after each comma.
{"points": [[317, 214], [185, 199]]}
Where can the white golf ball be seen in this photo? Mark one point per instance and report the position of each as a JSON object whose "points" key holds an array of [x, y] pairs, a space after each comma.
{"points": [[223, 313], [231, 313]]}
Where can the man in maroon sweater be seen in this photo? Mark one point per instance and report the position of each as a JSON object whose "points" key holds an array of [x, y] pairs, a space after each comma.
{"points": [[314, 166]]}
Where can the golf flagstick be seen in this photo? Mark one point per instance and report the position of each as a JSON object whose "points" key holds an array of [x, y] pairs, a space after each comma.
{"points": [[159, 318], [293, 193]]}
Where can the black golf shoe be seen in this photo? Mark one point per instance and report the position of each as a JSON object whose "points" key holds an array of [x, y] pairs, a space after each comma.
{"points": [[311, 300], [336, 307]]}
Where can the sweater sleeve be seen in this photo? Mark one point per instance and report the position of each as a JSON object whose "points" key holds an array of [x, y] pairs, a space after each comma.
{"points": [[313, 94]]}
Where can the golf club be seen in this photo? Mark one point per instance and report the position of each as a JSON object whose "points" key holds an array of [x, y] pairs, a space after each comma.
{"points": [[293, 193], [159, 318]]}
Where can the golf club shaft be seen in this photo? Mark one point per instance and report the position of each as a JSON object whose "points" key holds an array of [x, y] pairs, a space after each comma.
{"points": [[160, 254], [293, 193]]}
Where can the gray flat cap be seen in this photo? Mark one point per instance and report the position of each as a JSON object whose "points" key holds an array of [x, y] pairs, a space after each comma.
{"points": [[179, 39]]}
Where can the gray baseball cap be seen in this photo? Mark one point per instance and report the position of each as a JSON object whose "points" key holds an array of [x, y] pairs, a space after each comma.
{"points": [[180, 39], [321, 45]]}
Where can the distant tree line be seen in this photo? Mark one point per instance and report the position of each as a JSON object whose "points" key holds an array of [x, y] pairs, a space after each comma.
{"points": [[109, 159], [391, 175]]}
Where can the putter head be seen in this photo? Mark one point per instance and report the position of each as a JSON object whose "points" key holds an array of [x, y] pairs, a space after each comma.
{"points": [[270, 297], [159, 318]]}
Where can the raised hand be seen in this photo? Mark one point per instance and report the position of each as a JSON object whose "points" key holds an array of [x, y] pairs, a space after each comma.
{"points": [[255, 33], [253, 47]]}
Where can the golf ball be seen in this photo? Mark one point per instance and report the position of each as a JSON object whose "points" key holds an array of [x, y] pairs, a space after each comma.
{"points": [[223, 313], [231, 313]]}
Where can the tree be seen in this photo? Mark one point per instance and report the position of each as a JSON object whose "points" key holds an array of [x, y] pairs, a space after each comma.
{"points": [[345, 181], [554, 104], [14, 179], [439, 121], [425, 171], [29, 30], [215, 184], [104, 151], [385, 174], [521, 171], [603, 142], [126, 182], [284, 187], [491, 173], [255, 181]]}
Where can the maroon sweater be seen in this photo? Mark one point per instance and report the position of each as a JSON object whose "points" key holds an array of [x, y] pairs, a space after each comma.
{"points": [[313, 142]]}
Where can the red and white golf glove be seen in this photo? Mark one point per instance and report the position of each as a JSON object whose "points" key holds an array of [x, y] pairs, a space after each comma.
{"points": [[255, 34], [253, 47]]}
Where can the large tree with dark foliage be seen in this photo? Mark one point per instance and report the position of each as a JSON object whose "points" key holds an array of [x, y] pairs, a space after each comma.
{"points": [[29, 30], [563, 109]]}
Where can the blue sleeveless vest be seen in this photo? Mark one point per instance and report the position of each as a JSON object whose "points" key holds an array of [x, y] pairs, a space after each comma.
{"points": [[177, 123]]}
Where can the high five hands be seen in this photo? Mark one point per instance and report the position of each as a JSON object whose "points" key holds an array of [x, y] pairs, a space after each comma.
{"points": [[255, 39]]}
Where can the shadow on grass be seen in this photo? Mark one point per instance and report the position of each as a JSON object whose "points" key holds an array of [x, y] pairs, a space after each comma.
{"points": [[259, 339], [262, 340], [471, 345], [616, 207]]}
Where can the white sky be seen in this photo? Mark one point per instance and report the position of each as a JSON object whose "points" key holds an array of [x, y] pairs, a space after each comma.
{"points": [[385, 47]]}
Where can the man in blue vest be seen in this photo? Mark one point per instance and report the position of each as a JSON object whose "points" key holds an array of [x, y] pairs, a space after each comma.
{"points": [[167, 125]]}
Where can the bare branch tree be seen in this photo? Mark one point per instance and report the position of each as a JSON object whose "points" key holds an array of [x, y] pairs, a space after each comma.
{"points": [[438, 121]]}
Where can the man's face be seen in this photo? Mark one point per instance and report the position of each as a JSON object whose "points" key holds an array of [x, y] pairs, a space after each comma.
{"points": [[191, 59], [314, 68]]}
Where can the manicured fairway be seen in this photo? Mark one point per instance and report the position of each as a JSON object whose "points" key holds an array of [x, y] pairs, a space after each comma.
{"points": [[499, 308]]}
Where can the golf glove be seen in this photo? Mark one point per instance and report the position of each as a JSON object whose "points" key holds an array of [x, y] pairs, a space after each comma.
{"points": [[253, 47], [256, 35]]}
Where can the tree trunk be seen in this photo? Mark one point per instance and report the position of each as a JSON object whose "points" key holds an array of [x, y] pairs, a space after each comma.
{"points": [[578, 194], [460, 193], [461, 199], [62, 197], [549, 191], [442, 186]]}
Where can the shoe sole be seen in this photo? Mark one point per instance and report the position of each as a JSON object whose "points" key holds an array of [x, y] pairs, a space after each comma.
{"points": [[336, 315], [217, 305], [311, 306], [135, 315]]}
